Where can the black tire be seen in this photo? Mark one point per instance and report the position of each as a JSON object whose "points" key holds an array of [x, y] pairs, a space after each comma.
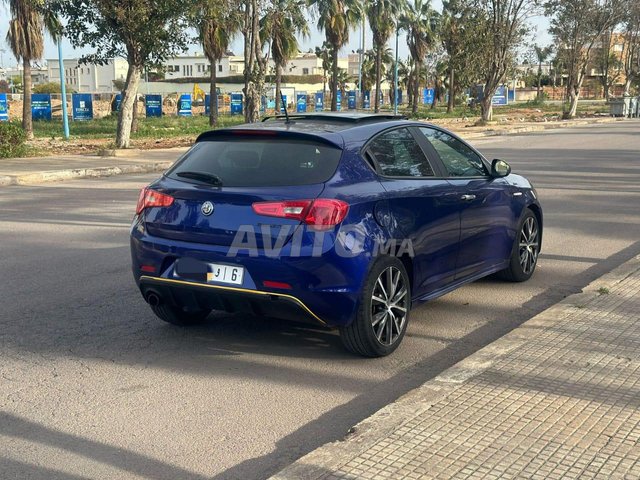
{"points": [[361, 336], [521, 271], [177, 316]]}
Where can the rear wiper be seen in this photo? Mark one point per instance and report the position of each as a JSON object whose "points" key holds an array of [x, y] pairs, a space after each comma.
{"points": [[205, 177]]}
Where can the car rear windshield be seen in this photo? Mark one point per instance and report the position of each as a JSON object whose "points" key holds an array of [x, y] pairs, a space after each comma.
{"points": [[259, 162]]}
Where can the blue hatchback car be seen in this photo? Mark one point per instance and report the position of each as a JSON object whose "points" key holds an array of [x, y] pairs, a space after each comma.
{"points": [[344, 220]]}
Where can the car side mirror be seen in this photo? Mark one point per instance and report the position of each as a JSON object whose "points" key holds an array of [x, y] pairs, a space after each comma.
{"points": [[500, 168]]}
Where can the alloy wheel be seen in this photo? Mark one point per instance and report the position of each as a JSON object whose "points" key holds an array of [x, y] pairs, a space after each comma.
{"points": [[389, 306], [529, 245]]}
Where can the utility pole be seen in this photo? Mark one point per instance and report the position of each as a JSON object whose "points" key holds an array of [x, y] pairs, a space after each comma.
{"points": [[63, 91]]}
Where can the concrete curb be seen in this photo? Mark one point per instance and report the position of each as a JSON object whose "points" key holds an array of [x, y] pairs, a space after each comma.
{"points": [[541, 127], [332, 456], [59, 175]]}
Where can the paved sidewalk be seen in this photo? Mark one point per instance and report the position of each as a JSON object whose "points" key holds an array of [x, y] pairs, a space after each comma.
{"points": [[27, 171], [558, 397]]}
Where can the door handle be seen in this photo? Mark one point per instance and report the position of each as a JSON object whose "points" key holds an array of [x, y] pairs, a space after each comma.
{"points": [[468, 198]]}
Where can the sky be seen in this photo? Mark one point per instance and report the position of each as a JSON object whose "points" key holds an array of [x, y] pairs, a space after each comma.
{"points": [[540, 25]]}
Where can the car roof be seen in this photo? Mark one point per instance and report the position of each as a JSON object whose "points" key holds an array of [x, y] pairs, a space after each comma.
{"points": [[336, 121], [336, 128], [339, 129]]}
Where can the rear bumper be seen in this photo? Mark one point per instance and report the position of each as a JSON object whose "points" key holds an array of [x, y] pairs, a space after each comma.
{"points": [[324, 289], [195, 295]]}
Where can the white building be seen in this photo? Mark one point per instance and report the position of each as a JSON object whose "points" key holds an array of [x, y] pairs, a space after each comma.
{"points": [[197, 66], [353, 64], [89, 78], [39, 74]]}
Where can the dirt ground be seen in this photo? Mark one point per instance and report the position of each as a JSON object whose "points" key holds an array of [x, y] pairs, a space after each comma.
{"points": [[45, 146]]}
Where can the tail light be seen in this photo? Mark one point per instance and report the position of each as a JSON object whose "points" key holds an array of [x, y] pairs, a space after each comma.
{"points": [[320, 214], [150, 198]]}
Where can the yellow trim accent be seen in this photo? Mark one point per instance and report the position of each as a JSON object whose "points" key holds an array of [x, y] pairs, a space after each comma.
{"points": [[233, 289]]}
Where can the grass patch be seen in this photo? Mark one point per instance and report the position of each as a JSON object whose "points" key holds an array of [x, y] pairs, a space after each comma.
{"points": [[162, 127], [603, 291], [547, 108]]}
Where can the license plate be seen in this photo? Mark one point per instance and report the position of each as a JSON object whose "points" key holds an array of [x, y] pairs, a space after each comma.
{"points": [[225, 274]]}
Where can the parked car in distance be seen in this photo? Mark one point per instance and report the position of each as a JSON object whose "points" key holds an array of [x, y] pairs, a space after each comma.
{"points": [[345, 220]]}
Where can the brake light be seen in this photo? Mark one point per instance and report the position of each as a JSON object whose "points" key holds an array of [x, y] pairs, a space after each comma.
{"points": [[150, 198], [256, 132], [273, 284], [320, 214], [293, 209]]}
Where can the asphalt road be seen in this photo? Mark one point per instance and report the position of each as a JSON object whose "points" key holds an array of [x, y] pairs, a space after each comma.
{"points": [[93, 386]]}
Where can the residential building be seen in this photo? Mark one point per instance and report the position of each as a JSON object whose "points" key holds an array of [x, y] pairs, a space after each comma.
{"points": [[353, 62], [615, 43], [197, 66], [532, 68], [89, 77]]}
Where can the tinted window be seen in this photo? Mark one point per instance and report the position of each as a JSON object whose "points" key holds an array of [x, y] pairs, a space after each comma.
{"points": [[458, 158], [251, 162], [398, 155]]}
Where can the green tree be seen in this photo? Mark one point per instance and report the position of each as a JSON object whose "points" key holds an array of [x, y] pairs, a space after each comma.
{"points": [[440, 85], [51, 87], [462, 34], [145, 32], [26, 39], [217, 21], [501, 26], [336, 18], [284, 20], [383, 19], [607, 62], [577, 26], [16, 83], [255, 61], [421, 24]]}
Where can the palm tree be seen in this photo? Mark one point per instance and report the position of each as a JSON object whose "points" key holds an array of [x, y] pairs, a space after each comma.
{"points": [[382, 15], [336, 17], [342, 82], [324, 53], [542, 54], [441, 83], [26, 40], [421, 23], [218, 21], [368, 71], [279, 26]]}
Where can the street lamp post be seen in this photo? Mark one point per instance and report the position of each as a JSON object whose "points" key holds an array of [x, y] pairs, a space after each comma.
{"points": [[395, 76], [63, 91], [360, 59]]}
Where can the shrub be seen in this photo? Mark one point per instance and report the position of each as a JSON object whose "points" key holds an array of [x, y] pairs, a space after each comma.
{"points": [[12, 138], [51, 87]]}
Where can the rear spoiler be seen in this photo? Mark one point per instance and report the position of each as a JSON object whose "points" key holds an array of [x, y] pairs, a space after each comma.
{"points": [[331, 139]]}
